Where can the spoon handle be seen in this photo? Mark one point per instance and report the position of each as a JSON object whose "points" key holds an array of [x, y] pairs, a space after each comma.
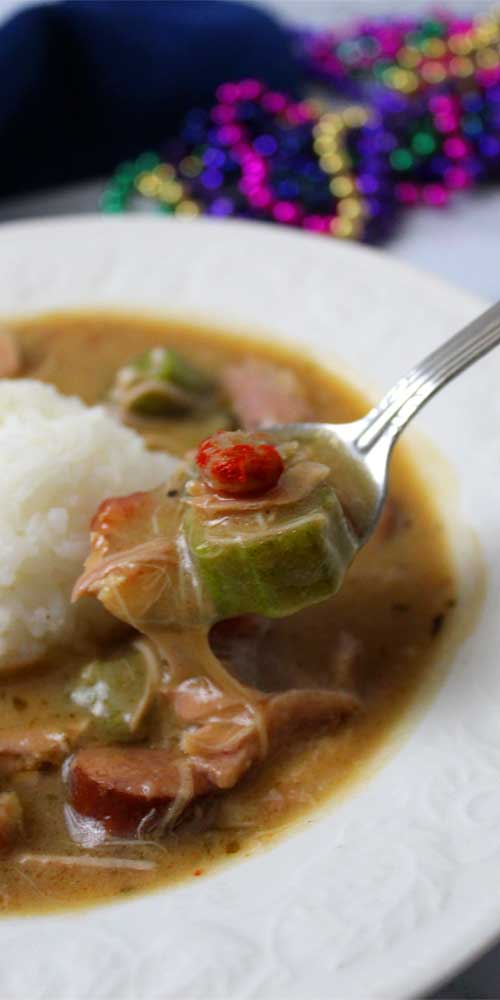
{"points": [[399, 405]]}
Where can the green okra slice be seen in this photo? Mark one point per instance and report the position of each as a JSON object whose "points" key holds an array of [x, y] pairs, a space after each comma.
{"points": [[118, 694], [161, 382], [275, 566]]}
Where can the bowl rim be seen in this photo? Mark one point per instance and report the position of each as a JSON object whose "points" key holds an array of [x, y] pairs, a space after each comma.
{"points": [[58, 236]]}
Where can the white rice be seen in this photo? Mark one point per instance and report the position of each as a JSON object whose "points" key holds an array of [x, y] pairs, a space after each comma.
{"points": [[58, 460]]}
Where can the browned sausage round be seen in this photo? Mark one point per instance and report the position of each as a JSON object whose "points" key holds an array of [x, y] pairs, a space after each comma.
{"points": [[120, 785]]}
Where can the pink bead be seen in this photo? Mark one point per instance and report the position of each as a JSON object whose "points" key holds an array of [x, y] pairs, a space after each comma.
{"points": [[285, 211], [228, 93], [488, 77], [273, 102], [457, 178], [293, 115], [459, 26], [223, 113], [250, 89], [441, 103], [445, 122], [407, 193], [229, 134], [260, 198], [253, 166], [249, 186], [389, 40], [455, 147], [255, 172], [333, 65], [435, 195], [296, 114], [240, 150], [304, 112], [315, 223]]}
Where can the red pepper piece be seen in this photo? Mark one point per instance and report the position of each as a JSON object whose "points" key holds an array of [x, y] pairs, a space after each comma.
{"points": [[239, 464]]}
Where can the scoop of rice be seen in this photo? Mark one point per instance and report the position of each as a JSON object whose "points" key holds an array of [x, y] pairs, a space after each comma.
{"points": [[58, 460]]}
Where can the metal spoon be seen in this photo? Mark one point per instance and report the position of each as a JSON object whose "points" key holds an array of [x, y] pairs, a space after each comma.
{"points": [[360, 452]]}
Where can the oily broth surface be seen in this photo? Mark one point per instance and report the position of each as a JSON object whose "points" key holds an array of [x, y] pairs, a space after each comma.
{"points": [[395, 600]]}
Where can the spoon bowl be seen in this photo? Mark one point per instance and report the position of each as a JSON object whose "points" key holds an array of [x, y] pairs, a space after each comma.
{"points": [[360, 451]]}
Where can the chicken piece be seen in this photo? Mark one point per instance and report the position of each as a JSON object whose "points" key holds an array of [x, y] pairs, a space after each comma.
{"points": [[139, 567], [248, 730], [30, 748], [11, 819], [197, 698], [119, 522], [10, 355], [262, 394]]}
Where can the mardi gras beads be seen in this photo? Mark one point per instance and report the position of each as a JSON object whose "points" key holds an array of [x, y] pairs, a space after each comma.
{"points": [[426, 123], [444, 75], [260, 154]]}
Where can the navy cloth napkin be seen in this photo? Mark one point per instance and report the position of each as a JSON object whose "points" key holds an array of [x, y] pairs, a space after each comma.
{"points": [[87, 83]]}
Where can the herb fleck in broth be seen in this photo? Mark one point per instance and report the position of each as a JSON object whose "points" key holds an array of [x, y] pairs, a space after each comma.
{"points": [[394, 603]]}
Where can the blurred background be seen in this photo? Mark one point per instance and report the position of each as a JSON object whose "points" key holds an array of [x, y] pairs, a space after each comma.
{"points": [[121, 106], [457, 241]]}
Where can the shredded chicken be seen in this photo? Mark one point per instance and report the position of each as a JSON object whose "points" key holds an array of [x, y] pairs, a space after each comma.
{"points": [[150, 557], [86, 861], [295, 484], [139, 566], [83, 830], [29, 748], [197, 698], [345, 657]]}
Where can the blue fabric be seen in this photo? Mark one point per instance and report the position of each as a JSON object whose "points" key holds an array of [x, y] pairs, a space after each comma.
{"points": [[86, 83]]}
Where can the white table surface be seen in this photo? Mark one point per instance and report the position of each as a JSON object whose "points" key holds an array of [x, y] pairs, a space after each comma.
{"points": [[460, 244]]}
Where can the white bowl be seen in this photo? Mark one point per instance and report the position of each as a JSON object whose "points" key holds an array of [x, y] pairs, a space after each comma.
{"points": [[391, 888]]}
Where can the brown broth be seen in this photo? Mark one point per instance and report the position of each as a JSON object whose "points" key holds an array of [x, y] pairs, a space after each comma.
{"points": [[395, 600]]}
